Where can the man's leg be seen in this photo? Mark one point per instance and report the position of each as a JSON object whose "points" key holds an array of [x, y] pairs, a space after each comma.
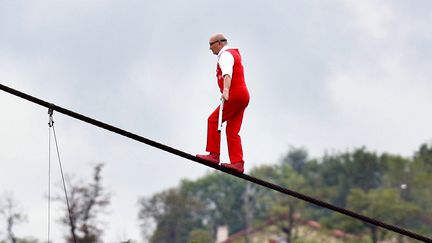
{"points": [[234, 121], [235, 149], [213, 136], [231, 108]]}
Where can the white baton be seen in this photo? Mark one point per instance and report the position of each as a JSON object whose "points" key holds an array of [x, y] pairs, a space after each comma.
{"points": [[220, 115]]}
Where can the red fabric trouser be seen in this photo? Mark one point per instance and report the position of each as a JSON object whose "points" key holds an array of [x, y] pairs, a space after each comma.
{"points": [[233, 111]]}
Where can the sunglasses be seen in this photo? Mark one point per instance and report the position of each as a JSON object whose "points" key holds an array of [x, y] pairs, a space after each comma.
{"points": [[211, 43]]}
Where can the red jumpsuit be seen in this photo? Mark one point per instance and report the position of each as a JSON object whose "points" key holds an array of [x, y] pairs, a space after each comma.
{"points": [[233, 111]]}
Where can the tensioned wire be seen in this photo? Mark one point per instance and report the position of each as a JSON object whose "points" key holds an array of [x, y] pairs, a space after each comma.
{"points": [[246, 177], [72, 225]]}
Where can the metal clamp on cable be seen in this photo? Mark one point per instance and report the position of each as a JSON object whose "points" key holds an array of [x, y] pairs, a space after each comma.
{"points": [[50, 113]]}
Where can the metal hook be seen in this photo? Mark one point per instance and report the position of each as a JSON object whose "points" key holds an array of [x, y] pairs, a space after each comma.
{"points": [[50, 113]]}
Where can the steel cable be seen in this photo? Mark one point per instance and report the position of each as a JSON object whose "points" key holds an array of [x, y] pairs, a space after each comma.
{"points": [[217, 167]]}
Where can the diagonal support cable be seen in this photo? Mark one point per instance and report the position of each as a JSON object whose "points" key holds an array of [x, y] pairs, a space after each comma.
{"points": [[246, 177], [72, 225]]}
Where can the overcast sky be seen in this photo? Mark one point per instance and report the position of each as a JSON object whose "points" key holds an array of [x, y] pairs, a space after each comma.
{"points": [[327, 75]]}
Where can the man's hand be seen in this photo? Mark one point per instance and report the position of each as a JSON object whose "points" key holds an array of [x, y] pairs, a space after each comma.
{"points": [[225, 94]]}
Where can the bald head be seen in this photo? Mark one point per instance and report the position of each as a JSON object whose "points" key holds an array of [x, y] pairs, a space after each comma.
{"points": [[218, 37], [217, 42]]}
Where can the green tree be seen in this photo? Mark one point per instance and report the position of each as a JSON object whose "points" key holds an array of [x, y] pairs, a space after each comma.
{"points": [[208, 202], [382, 204], [397, 170], [173, 213], [361, 180], [297, 158], [343, 171], [277, 205], [200, 236], [224, 198], [419, 186], [423, 158]]}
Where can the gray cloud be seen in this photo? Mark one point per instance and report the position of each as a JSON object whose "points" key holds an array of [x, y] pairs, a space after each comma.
{"points": [[322, 74]]}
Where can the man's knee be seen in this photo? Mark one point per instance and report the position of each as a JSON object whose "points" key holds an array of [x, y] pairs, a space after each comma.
{"points": [[233, 131]]}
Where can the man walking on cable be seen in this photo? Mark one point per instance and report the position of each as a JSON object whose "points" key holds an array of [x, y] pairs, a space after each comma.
{"points": [[235, 95]]}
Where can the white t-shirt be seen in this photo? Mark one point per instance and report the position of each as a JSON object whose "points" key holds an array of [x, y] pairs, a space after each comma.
{"points": [[226, 61]]}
